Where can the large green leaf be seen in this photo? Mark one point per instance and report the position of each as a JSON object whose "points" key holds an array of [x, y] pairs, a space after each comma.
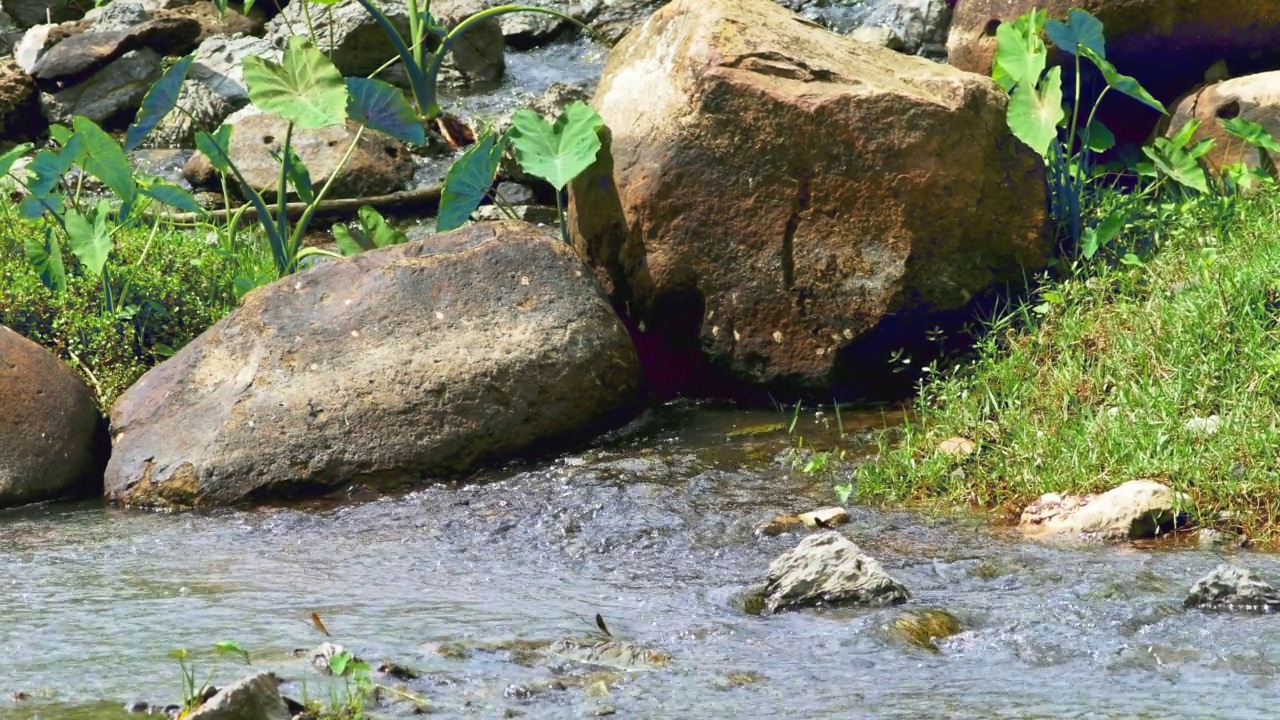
{"points": [[469, 181], [216, 147], [170, 194], [1080, 29], [1020, 57], [159, 102], [382, 107], [105, 159], [47, 169], [46, 257], [89, 237], [1121, 83], [304, 88], [1249, 131], [1176, 163], [557, 153], [9, 158], [1034, 113], [374, 232]]}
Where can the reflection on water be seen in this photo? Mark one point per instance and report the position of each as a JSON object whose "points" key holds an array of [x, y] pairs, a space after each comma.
{"points": [[653, 530]]}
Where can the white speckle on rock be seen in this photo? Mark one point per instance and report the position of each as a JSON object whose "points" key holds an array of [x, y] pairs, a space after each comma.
{"points": [[355, 333], [524, 280], [439, 315], [715, 331], [737, 336]]}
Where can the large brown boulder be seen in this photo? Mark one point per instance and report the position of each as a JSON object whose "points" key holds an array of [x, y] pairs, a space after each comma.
{"points": [[1167, 46], [428, 358], [771, 192], [49, 423], [1252, 97]]}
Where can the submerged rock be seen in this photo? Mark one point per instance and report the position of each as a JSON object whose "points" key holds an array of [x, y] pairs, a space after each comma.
{"points": [[1136, 509], [760, 198], [428, 358], [922, 627], [49, 423], [254, 698], [1231, 587], [828, 568], [613, 654], [825, 518]]}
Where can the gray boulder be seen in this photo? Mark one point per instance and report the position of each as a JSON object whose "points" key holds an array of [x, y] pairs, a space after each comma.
{"points": [[429, 358], [828, 568], [256, 697], [49, 423], [115, 89], [1130, 511], [1231, 587], [219, 62], [199, 107], [29, 13]]}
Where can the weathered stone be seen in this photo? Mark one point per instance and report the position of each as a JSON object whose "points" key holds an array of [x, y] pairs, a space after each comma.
{"points": [[253, 698], [762, 198], [525, 30], [35, 42], [219, 63], [20, 117], [1136, 509], [615, 19], [1253, 97], [213, 24], [85, 53], [828, 568], [115, 89], [10, 34], [957, 447], [1166, 46], [380, 164], [1231, 587], [199, 107], [49, 423], [29, 13], [427, 358], [116, 15], [478, 57]]}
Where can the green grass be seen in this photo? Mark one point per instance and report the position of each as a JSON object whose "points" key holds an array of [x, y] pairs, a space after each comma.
{"points": [[1091, 381], [179, 282]]}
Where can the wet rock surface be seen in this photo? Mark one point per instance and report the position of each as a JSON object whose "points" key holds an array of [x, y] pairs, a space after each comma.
{"points": [[469, 584], [828, 569], [423, 359], [253, 698], [1231, 587], [1133, 510]]}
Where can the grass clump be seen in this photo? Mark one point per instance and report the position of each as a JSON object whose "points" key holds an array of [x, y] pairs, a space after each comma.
{"points": [[1116, 371], [172, 285]]}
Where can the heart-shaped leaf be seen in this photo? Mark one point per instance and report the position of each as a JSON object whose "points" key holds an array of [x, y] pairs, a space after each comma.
{"points": [[468, 181], [1177, 164], [159, 102], [380, 106], [105, 159], [170, 194], [1080, 29], [304, 88], [46, 257], [216, 147], [557, 153], [1034, 113], [1020, 56], [89, 238]]}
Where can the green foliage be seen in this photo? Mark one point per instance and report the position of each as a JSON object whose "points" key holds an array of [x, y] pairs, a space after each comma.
{"points": [[374, 232], [304, 88], [382, 107], [194, 694], [158, 102], [1095, 379], [557, 153], [469, 180], [174, 285]]}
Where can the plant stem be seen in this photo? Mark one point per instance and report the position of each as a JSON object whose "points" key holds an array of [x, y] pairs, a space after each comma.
{"points": [[564, 227]]}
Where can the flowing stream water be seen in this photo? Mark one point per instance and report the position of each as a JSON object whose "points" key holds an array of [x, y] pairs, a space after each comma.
{"points": [[653, 529]]}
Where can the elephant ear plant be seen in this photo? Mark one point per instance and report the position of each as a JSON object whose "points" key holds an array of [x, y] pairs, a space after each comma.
{"points": [[556, 153], [67, 217], [307, 90]]}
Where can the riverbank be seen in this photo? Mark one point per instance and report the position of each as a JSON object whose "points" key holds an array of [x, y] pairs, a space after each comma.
{"points": [[1157, 360]]}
